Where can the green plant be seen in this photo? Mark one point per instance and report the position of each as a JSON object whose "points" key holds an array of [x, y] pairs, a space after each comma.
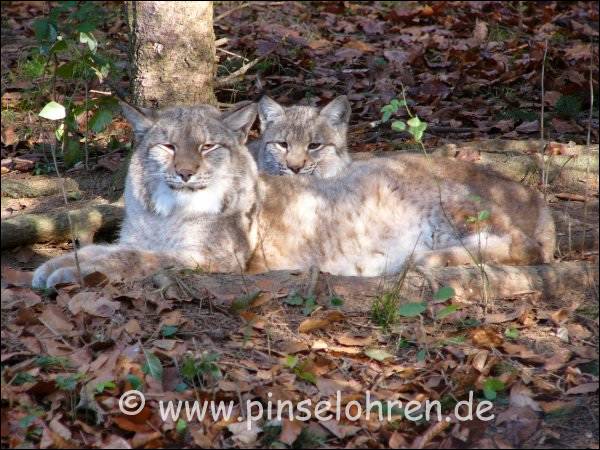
{"points": [[201, 370], [67, 34], [415, 126], [22, 378], [568, 106], [309, 304], [384, 310], [300, 368], [491, 387], [47, 362]]}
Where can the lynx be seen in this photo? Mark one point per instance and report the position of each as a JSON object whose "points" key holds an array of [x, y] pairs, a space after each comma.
{"points": [[194, 198], [302, 139]]}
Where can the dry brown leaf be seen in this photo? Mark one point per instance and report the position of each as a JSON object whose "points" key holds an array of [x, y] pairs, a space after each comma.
{"points": [[557, 405], [319, 43], [140, 440], [359, 45], [585, 388], [480, 359], [53, 318], [328, 386], [339, 430], [529, 127], [17, 297], [14, 277], [558, 359], [352, 341], [237, 386], [486, 337], [520, 351], [290, 430], [311, 324], [563, 126], [560, 316], [94, 304], [520, 395], [244, 435], [345, 350], [294, 347], [480, 32]]}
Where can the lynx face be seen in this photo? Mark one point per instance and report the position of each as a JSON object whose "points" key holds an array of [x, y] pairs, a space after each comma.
{"points": [[188, 154], [302, 139]]}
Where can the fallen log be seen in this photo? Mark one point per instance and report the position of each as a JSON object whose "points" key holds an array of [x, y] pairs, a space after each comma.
{"points": [[515, 159], [520, 161], [550, 280], [26, 229], [39, 186]]}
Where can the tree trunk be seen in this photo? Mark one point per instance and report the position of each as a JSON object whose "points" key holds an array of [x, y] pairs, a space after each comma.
{"points": [[173, 53]]}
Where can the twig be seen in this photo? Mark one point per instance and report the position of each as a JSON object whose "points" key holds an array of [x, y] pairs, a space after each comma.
{"points": [[71, 228], [478, 261], [588, 142], [231, 78], [232, 54], [589, 130], [221, 41], [231, 11], [87, 128], [94, 91], [544, 170]]}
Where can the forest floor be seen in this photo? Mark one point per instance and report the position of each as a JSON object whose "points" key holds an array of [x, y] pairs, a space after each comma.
{"points": [[472, 71]]}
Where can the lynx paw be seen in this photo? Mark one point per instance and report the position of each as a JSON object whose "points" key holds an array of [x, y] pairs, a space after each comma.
{"points": [[62, 276], [40, 276], [52, 273]]}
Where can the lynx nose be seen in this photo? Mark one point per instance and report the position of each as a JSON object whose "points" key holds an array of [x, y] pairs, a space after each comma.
{"points": [[296, 166], [185, 174]]}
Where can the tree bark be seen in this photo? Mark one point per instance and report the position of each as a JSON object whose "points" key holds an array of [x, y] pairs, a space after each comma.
{"points": [[173, 53]]}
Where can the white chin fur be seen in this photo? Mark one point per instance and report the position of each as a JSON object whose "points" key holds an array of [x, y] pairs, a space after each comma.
{"points": [[202, 201]]}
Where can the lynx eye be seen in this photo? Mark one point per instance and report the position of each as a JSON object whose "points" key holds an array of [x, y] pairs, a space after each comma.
{"points": [[168, 147], [283, 144], [314, 145], [208, 147]]}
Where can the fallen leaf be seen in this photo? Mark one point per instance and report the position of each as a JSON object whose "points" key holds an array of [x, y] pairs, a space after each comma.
{"points": [[585, 388], [17, 297], [53, 318], [350, 340], [290, 430], [339, 430], [359, 45], [563, 126], [244, 435], [486, 337], [480, 32], [378, 354], [529, 127]]}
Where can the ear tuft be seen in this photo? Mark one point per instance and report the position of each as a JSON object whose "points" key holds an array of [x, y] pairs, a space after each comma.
{"points": [[141, 119], [240, 120], [337, 111], [269, 110]]}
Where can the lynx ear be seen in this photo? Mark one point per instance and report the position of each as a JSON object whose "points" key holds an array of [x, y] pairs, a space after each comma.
{"points": [[141, 119], [337, 111], [269, 109], [240, 120]]}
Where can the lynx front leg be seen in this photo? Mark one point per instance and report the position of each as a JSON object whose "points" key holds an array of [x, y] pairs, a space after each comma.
{"points": [[116, 262], [42, 273]]}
